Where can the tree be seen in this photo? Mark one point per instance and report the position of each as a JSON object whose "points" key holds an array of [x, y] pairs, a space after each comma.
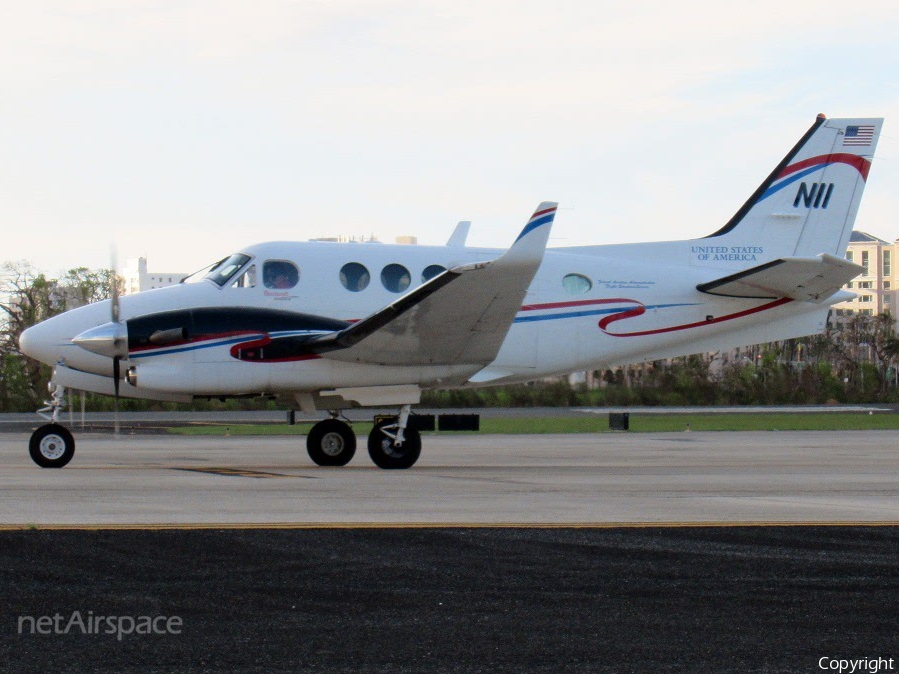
{"points": [[29, 297]]}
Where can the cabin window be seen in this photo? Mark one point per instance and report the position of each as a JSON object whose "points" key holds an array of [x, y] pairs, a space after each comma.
{"points": [[222, 272], [396, 278], [576, 284], [247, 279], [431, 271], [280, 274], [354, 277]]}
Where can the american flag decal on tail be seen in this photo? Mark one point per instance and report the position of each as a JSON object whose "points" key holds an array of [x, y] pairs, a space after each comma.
{"points": [[858, 136]]}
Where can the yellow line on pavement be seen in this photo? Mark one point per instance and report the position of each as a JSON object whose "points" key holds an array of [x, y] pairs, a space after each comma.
{"points": [[164, 526]]}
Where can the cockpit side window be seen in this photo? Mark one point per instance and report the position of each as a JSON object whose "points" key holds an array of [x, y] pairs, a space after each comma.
{"points": [[280, 274], [247, 279], [222, 273]]}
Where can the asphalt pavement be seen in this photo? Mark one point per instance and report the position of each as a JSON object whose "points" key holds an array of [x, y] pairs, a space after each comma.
{"points": [[695, 599]]}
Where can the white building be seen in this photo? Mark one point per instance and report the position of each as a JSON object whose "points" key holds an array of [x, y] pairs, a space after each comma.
{"points": [[876, 286], [137, 278]]}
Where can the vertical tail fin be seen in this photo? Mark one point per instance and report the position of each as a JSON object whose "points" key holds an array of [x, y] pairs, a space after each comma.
{"points": [[807, 206]]}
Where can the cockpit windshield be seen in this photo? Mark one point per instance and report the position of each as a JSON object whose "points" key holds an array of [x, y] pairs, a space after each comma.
{"points": [[227, 268], [200, 274]]}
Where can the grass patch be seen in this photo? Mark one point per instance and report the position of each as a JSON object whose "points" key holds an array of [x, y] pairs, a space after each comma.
{"points": [[594, 423]]}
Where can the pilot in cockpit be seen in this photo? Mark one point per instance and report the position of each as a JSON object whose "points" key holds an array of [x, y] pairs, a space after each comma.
{"points": [[279, 274]]}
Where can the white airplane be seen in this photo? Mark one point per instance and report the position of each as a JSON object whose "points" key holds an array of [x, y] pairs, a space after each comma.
{"points": [[333, 326]]}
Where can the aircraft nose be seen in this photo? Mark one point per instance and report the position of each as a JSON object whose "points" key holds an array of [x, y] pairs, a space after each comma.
{"points": [[27, 343], [40, 343], [109, 339]]}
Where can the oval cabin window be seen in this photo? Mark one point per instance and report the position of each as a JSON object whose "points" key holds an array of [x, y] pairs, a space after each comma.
{"points": [[396, 278], [576, 284], [354, 277], [431, 271]]}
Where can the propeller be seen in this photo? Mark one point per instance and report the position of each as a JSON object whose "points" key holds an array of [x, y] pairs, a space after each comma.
{"points": [[110, 340], [118, 340]]}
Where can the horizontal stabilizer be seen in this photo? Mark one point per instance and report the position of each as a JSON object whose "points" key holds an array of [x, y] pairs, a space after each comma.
{"points": [[459, 317], [808, 279]]}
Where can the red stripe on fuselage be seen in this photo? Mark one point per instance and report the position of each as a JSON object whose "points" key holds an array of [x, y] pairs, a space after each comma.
{"points": [[605, 322], [578, 303]]}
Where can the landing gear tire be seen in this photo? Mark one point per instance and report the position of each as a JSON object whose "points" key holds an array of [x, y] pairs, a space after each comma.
{"points": [[331, 443], [385, 454], [51, 446]]}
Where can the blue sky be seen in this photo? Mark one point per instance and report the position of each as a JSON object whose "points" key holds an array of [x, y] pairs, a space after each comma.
{"points": [[184, 130]]}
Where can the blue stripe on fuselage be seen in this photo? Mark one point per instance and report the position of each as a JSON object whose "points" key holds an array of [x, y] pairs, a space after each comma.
{"points": [[594, 312]]}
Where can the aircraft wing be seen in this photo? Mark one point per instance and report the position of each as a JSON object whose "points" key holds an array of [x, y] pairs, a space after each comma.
{"points": [[809, 279], [459, 317]]}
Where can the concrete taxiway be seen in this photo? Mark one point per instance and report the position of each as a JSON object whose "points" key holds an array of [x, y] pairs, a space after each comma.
{"points": [[596, 479]]}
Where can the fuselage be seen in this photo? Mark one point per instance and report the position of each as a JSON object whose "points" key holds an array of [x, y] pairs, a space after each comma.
{"points": [[586, 308]]}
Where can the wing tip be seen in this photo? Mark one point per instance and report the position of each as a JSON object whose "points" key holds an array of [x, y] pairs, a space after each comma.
{"points": [[544, 215]]}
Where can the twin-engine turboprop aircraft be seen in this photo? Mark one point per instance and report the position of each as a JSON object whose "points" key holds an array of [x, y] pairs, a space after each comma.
{"points": [[334, 326]]}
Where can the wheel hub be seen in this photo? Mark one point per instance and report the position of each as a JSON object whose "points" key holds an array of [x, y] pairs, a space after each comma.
{"points": [[52, 447], [332, 444], [392, 450]]}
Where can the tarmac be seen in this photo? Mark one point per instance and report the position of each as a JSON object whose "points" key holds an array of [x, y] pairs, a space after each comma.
{"points": [[613, 552], [590, 479]]}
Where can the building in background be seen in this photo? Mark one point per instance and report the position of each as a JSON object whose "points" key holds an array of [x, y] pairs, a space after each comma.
{"points": [[137, 278], [876, 286]]}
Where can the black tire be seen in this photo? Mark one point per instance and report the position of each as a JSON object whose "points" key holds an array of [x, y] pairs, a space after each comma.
{"points": [[385, 454], [331, 443], [51, 446]]}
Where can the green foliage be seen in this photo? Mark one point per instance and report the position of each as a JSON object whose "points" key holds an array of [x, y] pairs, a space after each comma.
{"points": [[29, 297], [595, 423]]}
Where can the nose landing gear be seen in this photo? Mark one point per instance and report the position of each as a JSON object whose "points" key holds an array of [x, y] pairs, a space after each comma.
{"points": [[52, 445]]}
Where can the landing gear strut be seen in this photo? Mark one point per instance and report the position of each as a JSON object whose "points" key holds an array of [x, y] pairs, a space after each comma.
{"points": [[393, 445], [52, 445]]}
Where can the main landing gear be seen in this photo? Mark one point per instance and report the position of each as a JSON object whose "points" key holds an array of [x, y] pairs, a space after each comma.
{"points": [[391, 443], [52, 445], [331, 443]]}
